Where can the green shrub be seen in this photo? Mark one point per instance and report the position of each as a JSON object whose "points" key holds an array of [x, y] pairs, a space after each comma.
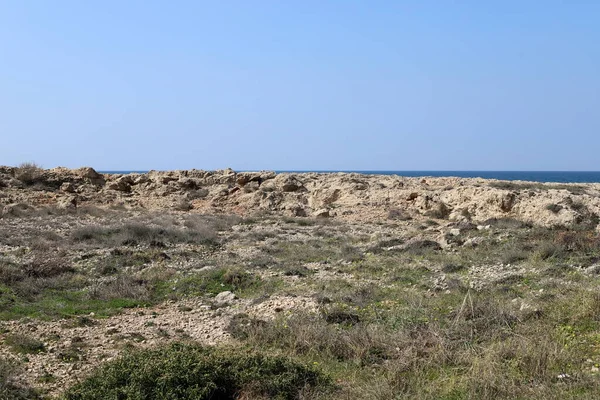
{"points": [[190, 371], [24, 344], [8, 389]]}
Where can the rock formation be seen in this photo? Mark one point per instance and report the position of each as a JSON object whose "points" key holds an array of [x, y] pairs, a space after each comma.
{"points": [[348, 196]]}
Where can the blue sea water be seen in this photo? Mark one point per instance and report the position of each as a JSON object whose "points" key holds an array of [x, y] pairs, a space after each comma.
{"points": [[534, 176]]}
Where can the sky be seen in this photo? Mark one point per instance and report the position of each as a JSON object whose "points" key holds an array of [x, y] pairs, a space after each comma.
{"points": [[301, 85]]}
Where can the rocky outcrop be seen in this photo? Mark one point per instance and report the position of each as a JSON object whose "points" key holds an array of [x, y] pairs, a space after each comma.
{"points": [[347, 196]]}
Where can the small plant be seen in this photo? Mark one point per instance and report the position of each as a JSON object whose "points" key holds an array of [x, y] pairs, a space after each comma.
{"points": [[554, 208], [296, 270], [396, 214], [133, 234], [340, 315], [183, 205], [440, 211], [24, 344], [28, 173]]}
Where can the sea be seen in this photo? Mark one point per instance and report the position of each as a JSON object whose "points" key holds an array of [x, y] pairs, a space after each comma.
{"points": [[534, 176]]}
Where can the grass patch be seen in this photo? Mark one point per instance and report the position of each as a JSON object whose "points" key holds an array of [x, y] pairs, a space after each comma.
{"points": [[23, 344], [132, 234], [216, 281], [460, 346], [66, 304]]}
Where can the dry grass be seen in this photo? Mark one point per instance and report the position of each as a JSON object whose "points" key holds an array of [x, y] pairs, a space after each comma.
{"points": [[383, 328], [29, 173], [475, 346]]}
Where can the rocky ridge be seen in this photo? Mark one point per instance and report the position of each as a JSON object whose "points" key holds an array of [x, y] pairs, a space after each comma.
{"points": [[346, 196]]}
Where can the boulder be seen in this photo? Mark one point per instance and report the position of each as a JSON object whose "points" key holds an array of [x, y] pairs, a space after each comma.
{"points": [[291, 184], [297, 211], [322, 213], [251, 186], [141, 179], [224, 298], [188, 183], [88, 173], [68, 203], [67, 187], [121, 184]]}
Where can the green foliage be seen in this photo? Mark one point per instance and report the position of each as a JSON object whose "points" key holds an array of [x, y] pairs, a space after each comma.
{"points": [[24, 344], [190, 371], [55, 304], [216, 281], [9, 390]]}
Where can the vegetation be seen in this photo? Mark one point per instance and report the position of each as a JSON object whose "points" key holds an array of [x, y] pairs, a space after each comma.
{"points": [[511, 185], [24, 344], [493, 309], [28, 173], [187, 371], [10, 390]]}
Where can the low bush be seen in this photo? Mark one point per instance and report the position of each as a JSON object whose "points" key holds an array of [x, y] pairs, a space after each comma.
{"points": [[8, 389], [216, 281], [133, 234], [24, 344], [440, 211], [296, 270], [190, 371], [506, 223], [397, 214], [122, 287], [577, 240], [554, 208], [28, 173]]}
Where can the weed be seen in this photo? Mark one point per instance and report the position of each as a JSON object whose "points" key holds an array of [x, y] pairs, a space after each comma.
{"points": [[296, 270]]}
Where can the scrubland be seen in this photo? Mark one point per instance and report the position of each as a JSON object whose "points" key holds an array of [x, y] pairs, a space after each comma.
{"points": [[108, 300]]}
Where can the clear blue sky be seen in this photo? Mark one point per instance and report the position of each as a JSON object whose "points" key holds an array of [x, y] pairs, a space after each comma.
{"points": [[328, 85]]}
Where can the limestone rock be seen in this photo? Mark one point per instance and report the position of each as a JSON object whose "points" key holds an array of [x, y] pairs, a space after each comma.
{"points": [[291, 184], [224, 298], [356, 197], [251, 186], [121, 184], [322, 213], [88, 173], [67, 187], [67, 203]]}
